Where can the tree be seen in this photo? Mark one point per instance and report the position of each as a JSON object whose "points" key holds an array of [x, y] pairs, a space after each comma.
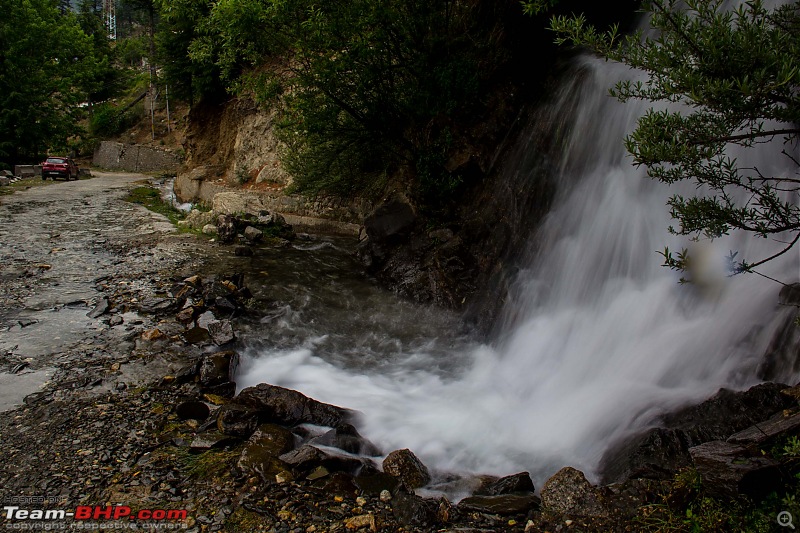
{"points": [[46, 62], [181, 23], [365, 86], [737, 74]]}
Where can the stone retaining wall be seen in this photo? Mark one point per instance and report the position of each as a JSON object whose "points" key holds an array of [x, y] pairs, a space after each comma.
{"points": [[134, 158]]}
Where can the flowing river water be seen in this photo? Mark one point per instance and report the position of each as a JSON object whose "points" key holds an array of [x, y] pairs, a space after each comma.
{"points": [[598, 338]]}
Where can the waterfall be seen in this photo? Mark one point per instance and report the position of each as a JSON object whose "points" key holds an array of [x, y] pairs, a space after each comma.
{"points": [[598, 338]]}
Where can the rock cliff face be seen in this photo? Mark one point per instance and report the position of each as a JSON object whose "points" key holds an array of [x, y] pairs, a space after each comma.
{"points": [[460, 258], [233, 157]]}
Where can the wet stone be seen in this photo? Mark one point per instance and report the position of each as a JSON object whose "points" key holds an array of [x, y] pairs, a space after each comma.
{"points": [[405, 466]]}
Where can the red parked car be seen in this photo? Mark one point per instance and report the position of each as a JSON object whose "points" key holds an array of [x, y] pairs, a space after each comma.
{"points": [[59, 167]]}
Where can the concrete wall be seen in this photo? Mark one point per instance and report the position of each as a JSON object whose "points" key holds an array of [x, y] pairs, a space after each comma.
{"points": [[134, 158]]}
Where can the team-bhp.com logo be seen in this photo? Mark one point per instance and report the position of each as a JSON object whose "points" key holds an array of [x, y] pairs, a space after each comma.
{"points": [[83, 514]]}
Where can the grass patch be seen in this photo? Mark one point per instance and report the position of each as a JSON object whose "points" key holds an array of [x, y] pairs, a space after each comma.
{"points": [[697, 511], [206, 465], [150, 198], [244, 521], [23, 184]]}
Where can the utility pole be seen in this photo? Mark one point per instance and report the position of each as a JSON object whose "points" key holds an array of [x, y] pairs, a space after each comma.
{"points": [[166, 97], [110, 18]]}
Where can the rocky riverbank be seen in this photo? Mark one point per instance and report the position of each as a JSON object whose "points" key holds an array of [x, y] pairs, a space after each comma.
{"points": [[132, 335]]}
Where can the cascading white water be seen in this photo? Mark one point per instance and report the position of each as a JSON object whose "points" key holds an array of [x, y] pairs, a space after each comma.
{"points": [[599, 338]]}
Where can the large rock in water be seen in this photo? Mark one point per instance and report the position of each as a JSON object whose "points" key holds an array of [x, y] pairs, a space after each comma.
{"points": [[260, 454], [288, 407], [507, 485], [568, 492], [660, 452], [215, 368], [405, 466], [347, 438]]}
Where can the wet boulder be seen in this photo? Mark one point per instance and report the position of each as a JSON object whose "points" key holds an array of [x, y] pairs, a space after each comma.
{"points": [[252, 234], [215, 368], [415, 512], [503, 505], [221, 332], [376, 483], [346, 437], [520, 482], [730, 470], [226, 228], [405, 466], [260, 454], [306, 459], [288, 407], [660, 452], [237, 420], [568, 492]]}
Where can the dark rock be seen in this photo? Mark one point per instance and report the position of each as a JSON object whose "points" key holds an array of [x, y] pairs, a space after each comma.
{"points": [[100, 309], [659, 452], [627, 499], [209, 441], [347, 438], [508, 485], [260, 454], [790, 294], [186, 315], [288, 407], [374, 483], [729, 411], [192, 410], [338, 484], [215, 369], [729, 470], [221, 332], [187, 373], [226, 228], [225, 390], [237, 420], [243, 251], [196, 335], [236, 279], [227, 306], [656, 454], [160, 306], [115, 320], [253, 235], [569, 493], [503, 505], [769, 430], [405, 466], [306, 458], [392, 220], [413, 511], [205, 319], [781, 360]]}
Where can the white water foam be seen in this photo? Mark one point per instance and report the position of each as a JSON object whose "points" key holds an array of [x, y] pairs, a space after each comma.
{"points": [[599, 337]]}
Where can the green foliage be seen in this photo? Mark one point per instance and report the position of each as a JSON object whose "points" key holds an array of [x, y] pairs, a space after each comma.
{"points": [[363, 87], [737, 75], [150, 198], [108, 120], [47, 68], [703, 513], [183, 22]]}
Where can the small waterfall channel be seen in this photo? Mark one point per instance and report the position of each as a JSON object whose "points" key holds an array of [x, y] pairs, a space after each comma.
{"points": [[598, 338]]}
